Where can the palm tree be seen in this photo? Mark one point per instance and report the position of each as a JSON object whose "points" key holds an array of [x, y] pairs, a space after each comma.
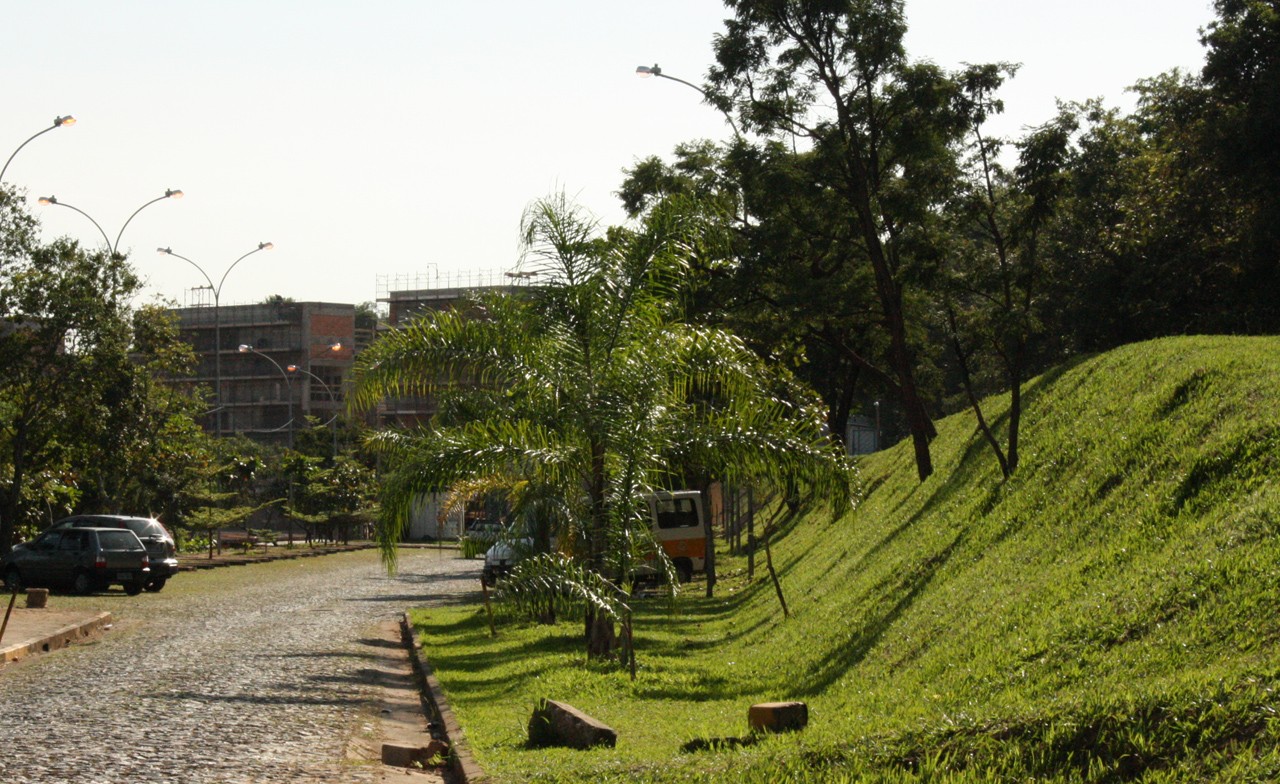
{"points": [[592, 390]]}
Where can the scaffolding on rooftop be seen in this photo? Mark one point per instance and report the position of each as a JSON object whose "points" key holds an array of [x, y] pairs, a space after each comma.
{"points": [[458, 279]]}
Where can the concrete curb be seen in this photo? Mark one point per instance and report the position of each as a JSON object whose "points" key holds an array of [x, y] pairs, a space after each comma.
{"points": [[461, 763], [58, 639]]}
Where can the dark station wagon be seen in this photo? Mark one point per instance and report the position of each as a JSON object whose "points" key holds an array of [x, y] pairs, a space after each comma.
{"points": [[155, 537], [83, 559]]}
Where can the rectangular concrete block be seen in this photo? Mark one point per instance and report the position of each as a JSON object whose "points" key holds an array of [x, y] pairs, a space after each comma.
{"points": [[402, 756], [560, 724], [37, 598], [778, 716]]}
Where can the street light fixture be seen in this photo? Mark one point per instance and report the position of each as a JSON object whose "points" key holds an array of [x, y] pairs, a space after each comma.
{"points": [[114, 247], [645, 71], [217, 322], [247, 349], [333, 400], [58, 122], [47, 200]]}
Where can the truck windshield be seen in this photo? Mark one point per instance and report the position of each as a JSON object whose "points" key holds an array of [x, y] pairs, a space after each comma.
{"points": [[676, 513]]}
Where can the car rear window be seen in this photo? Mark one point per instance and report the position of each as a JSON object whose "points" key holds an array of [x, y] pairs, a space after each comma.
{"points": [[143, 527], [118, 540]]}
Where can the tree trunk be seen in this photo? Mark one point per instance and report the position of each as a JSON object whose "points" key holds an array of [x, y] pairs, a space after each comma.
{"points": [[966, 379], [838, 420], [601, 637], [11, 505], [768, 558], [890, 296], [599, 628], [1015, 407]]}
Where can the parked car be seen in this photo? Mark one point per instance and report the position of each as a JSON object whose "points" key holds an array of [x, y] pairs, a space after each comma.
{"points": [[161, 548], [502, 557], [83, 559]]}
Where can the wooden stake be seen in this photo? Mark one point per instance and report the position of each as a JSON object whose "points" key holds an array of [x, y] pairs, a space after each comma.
{"points": [[7, 612], [493, 631]]}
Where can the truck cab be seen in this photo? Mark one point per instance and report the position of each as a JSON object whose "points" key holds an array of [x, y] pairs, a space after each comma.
{"points": [[679, 523]]}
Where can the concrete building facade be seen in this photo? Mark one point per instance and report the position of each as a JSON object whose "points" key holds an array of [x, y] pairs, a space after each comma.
{"points": [[260, 396]]}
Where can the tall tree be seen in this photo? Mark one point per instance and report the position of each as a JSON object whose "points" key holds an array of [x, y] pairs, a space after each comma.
{"points": [[64, 309], [836, 75], [798, 290], [1242, 76], [994, 267], [593, 387], [142, 447]]}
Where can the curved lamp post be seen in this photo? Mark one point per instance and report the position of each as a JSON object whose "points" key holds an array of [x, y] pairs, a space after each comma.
{"points": [[114, 247], [645, 71], [217, 321], [288, 381], [333, 400], [58, 122]]}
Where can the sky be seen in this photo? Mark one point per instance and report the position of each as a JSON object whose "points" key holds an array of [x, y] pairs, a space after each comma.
{"points": [[396, 143]]}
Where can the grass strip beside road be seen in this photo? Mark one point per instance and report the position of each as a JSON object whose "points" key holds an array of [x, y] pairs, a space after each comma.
{"points": [[1109, 614]]}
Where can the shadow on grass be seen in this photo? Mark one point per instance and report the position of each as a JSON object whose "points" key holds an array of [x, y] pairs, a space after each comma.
{"points": [[503, 666], [865, 637]]}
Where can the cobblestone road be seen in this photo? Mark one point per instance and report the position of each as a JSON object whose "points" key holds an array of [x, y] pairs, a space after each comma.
{"points": [[242, 674]]}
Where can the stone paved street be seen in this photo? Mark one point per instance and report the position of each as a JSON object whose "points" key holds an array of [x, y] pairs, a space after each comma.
{"points": [[242, 674]]}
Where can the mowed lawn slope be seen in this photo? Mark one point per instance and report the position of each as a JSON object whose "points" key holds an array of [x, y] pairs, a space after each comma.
{"points": [[1112, 613]]}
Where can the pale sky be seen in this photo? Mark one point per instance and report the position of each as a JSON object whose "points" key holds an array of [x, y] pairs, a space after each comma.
{"points": [[402, 137]]}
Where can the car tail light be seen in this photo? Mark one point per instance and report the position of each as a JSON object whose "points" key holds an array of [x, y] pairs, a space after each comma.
{"points": [[146, 562], [100, 562]]}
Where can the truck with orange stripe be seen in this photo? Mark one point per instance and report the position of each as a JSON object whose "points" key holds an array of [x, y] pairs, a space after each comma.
{"points": [[680, 529]]}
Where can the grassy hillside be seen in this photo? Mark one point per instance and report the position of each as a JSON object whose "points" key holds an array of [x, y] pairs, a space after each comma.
{"points": [[1110, 614]]}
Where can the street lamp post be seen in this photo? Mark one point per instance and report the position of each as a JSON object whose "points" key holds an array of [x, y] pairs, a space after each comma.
{"points": [[288, 381], [333, 401], [114, 247], [217, 321], [58, 122], [645, 71]]}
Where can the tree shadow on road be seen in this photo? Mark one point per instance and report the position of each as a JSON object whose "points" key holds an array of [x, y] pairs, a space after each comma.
{"points": [[259, 698], [422, 599]]}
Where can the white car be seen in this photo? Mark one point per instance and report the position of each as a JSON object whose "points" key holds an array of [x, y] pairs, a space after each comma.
{"points": [[502, 557]]}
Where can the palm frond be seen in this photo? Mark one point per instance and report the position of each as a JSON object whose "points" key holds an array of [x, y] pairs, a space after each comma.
{"points": [[553, 580]]}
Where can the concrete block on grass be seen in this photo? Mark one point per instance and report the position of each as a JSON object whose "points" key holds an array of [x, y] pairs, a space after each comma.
{"points": [[778, 716], [560, 724], [37, 598]]}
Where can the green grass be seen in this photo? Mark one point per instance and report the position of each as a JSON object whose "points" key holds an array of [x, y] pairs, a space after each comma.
{"points": [[1110, 614]]}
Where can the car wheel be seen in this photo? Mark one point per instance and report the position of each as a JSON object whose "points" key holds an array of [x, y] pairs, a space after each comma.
{"points": [[83, 584], [133, 589], [684, 571], [13, 580], [155, 584]]}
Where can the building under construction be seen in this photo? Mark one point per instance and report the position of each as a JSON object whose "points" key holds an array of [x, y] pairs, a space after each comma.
{"points": [[269, 366]]}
